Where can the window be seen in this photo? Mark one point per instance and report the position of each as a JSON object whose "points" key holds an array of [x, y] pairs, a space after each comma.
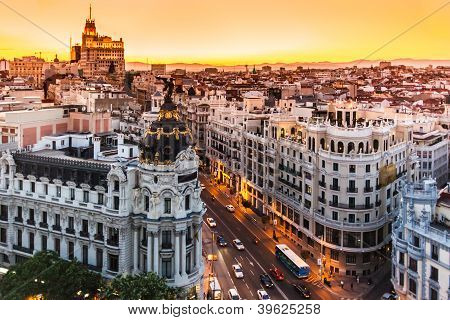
{"points": [[58, 246], [366, 257], [19, 213], [306, 224], [167, 205], [335, 215], [72, 194], [44, 217], [85, 196], [367, 167], [85, 226], [100, 198], [351, 217], [113, 262], [85, 255], [116, 185], [412, 286], [19, 238], [166, 270], [3, 235], [31, 216], [33, 187], [46, 189], [43, 243], [116, 203], [99, 228], [335, 167], [401, 279], [433, 294], [434, 274], [20, 184], [367, 217], [351, 202], [350, 259], [352, 168], [71, 223], [323, 163], [416, 241], [57, 220], [187, 202], [412, 264], [434, 252], [71, 250], [334, 254], [58, 191], [99, 258], [147, 203], [166, 239]]}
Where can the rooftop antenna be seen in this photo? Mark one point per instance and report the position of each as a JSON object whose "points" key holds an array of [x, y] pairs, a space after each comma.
{"points": [[90, 11]]}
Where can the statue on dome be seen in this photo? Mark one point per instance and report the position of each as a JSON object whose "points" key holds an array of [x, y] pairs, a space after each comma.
{"points": [[169, 85]]}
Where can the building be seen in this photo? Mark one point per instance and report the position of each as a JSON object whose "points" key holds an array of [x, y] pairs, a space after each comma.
{"points": [[385, 64], [421, 243], [328, 183], [158, 69], [28, 68], [100, 55], [123, 210]]}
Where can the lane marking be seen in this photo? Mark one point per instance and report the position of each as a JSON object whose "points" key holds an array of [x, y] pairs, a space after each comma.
{"points": [[251, 271]]}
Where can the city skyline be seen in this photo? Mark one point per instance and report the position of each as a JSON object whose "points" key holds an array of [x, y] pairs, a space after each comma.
{"points": [[234, 33]]}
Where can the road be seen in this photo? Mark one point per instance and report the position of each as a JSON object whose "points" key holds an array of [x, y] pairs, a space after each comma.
{"points": [[256, 258]]}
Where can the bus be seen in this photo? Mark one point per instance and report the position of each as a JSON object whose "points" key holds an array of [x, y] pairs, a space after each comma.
{"points": [[214, 290], [292, 261]]}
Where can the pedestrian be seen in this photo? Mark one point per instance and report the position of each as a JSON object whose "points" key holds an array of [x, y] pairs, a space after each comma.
{"points": [[357, 279], [342, 284], [351, 286]]}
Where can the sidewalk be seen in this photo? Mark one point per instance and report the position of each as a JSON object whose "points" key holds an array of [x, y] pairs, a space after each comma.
{"points": [[359, 290]]}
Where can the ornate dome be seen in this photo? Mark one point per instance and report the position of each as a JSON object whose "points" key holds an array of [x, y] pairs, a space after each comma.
{"points": [[166, 137]]}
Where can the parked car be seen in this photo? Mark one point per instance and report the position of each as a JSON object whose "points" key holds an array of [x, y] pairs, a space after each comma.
{"points": [[262, 295], [211, 222], [389, 296], [233, 294], [230, 208], [265, 280], [238, 244], [202, 186], [221, 242], [303, 290], [276, 274], [238, 273]]}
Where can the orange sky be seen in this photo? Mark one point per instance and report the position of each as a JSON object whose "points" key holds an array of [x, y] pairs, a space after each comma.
{"points": [[233, 31]]}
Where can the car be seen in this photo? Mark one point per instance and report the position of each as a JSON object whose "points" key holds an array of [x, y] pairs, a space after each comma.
{"points": [[221, 242], [389, 296], [238, 244], [303, 290], [230, 208], [233, 294], [265, 280], [202, 186], [277, 274], [238, 273], [262, 295], [211, 222]]}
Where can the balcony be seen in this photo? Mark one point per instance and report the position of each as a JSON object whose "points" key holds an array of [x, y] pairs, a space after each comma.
{"points": [[43, 225], [378, 203], [70, 231], [351, 207], [18, 219], [166, 246], [56, 228], [99, 237], [22, 249], [112, 242], [335, 188], [84, 234], [31, 222], [322, 200], [368, 189], [4, 217], [322, 184], [352, 190]]}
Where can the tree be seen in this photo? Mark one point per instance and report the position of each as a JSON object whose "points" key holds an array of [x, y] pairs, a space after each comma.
{"points": [[144, 286], [48, 276]]}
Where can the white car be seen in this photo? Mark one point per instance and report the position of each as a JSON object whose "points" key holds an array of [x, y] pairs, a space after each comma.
{"points": [[233, 294], [262, 295], [202, 186], [230, 208], [211, 222], [238, 273], [238, 244]]}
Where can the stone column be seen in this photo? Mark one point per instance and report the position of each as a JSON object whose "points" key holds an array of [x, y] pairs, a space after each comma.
{"points": [[177, 253], [149, 252], [135, 249], [198, 245], [156, 252], [183, 253]]}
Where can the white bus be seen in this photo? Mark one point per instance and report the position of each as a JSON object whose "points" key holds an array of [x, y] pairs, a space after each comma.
{"points": [[214, 291], [292, 261]]}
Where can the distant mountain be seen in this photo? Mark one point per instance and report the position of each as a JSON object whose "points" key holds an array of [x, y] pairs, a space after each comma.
{"points": [[195, 67]]}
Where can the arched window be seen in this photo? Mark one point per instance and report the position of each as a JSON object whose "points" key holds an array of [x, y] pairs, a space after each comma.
{"points": [[340, 147], [293, 131], [282, 132], [350, 147], [322, 143], [309, 143], [313, 146], [376, 145], [332, 146], [361, 147]]}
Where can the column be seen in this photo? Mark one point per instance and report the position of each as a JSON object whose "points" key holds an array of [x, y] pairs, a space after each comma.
{"points": [[183, 253], [156, 252], [136, 249], [149, 252], [198, 239], [177, 253]]}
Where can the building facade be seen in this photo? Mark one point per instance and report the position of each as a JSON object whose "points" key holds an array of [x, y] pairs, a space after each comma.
{"points": [[421, 243], [28, 68]]}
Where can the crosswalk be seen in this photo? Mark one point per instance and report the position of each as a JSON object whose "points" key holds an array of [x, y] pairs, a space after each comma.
{"points": [[314, 281]]}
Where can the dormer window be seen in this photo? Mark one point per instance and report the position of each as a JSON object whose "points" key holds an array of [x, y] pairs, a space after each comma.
{"points": [[167, 205]]}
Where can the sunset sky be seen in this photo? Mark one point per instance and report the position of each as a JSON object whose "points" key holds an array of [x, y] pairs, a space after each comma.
{"points": [[233, 31]]}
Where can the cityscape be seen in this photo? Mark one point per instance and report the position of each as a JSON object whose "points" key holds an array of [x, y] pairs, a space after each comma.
{"points": [[153, 179]]}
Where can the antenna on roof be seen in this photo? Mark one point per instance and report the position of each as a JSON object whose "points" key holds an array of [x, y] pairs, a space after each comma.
{"points": [[90, 11]]}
